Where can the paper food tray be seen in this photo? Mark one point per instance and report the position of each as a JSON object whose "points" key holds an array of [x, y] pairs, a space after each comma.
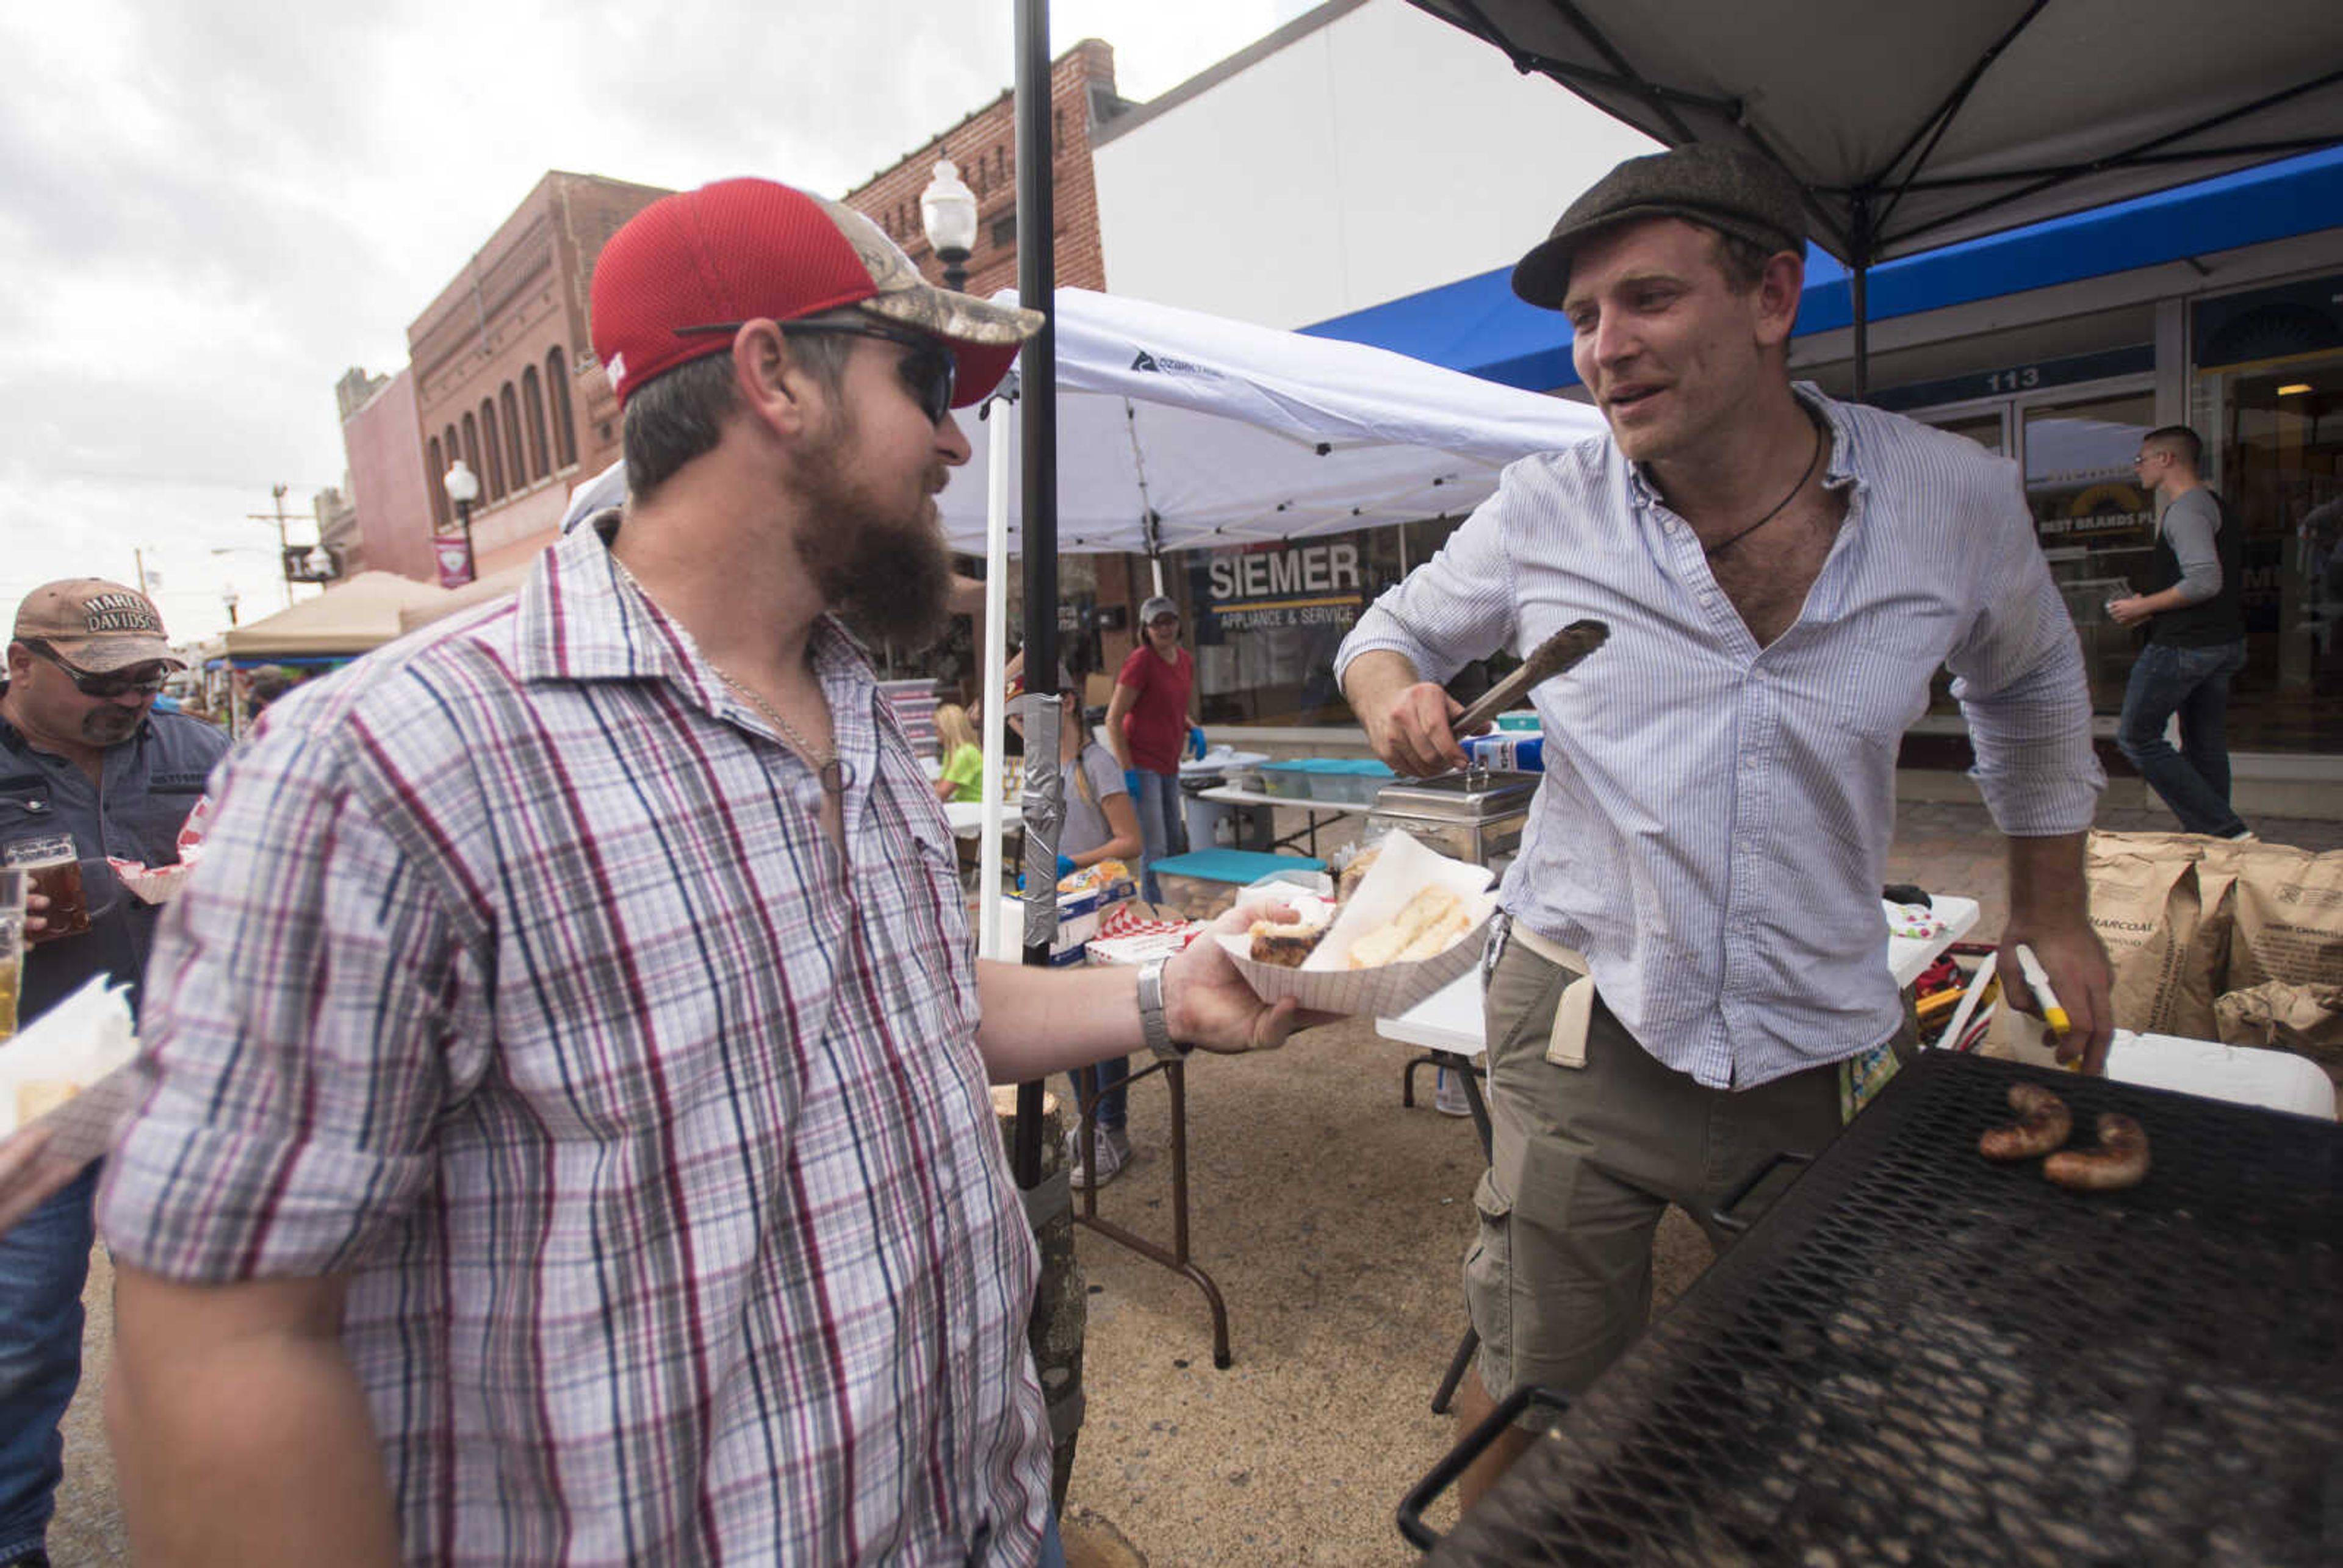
{"points": [[1403, 868], [84, 1039]]}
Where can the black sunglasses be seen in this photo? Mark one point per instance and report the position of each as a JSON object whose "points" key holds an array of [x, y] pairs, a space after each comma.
{"points": [[931, 372], [114, 683]]}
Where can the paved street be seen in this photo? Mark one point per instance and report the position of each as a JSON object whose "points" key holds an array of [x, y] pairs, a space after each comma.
{"points": [[1332, 1220]]}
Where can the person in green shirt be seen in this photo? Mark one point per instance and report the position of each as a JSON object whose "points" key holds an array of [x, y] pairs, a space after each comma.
{"points": [[963, 775]]}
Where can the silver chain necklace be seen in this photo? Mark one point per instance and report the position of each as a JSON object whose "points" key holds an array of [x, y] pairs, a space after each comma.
{"points": [[827, 769], [826, 766]]}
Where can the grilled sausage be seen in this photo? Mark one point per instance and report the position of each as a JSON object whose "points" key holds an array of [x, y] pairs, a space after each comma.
{"points": [[2042, 1124], [2119, 1161]]}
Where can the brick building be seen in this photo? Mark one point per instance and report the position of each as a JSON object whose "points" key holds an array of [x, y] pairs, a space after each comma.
{"points": [[502, 372], [504, 369], [386, 525], [984, 145]]}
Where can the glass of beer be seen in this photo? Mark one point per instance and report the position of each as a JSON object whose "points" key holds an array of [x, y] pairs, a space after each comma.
{"points": [[52, 868], [11, 947]]}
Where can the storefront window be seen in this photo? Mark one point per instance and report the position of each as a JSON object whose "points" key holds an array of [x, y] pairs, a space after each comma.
{"points": [[1267, 619], [2097, 525], [2278, 432], [1985, 429]]}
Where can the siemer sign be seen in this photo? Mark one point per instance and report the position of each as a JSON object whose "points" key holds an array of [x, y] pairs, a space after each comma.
{"points": [[1294, 584]]}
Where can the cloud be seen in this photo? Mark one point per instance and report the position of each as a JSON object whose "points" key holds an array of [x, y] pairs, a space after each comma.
{"points": [[208, 212]]}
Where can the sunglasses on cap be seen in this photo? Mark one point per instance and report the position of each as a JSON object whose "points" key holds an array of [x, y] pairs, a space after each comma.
{"points": [[113, 683], [931, 372]]}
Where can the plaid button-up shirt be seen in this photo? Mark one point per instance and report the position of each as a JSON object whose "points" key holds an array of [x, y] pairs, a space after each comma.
{"points": [[521, 985]]}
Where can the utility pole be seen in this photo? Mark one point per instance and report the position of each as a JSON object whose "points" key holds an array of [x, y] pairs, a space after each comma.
{"points": [[283, 544]]}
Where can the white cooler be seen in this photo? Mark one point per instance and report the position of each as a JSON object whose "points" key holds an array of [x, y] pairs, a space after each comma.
{"points": [[2242, 1074]]}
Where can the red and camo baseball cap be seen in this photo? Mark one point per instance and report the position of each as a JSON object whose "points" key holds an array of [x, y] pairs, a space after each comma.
{"points": [[754, 249]]}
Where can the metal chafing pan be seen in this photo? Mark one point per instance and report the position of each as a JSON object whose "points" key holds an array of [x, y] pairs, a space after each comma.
{"points": [[1473, 816], [1919, 1356]]}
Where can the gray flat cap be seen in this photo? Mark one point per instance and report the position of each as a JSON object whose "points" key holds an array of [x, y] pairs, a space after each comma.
{"points": [[1738, 193]]}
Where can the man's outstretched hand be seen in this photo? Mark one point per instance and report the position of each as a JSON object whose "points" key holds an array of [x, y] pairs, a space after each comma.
{"points": [[1208, 1004]]}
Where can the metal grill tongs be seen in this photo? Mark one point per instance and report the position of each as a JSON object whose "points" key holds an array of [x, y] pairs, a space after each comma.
{"points": [[1560, 652]]}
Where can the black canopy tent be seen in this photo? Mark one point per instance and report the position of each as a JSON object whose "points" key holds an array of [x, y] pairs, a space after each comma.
{"points": [[1916, 125]]}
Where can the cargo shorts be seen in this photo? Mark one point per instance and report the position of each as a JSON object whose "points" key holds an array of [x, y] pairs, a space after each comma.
{"points": [[1582, 1162]]}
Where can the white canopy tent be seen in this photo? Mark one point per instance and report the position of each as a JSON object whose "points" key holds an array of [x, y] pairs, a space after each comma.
{"points": [[1178, 430]]}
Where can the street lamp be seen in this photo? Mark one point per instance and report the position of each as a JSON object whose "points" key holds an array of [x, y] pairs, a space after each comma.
{"points": [[229, 601], [947, 213], [463, 488]]}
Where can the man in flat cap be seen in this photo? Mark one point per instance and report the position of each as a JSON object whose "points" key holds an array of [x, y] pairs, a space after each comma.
{"points": [[83, 755], [566, 1136], [1687, 972]]}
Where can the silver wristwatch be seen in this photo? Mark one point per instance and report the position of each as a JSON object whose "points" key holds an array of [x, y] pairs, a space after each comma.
{"points": [[1150, 1014]]}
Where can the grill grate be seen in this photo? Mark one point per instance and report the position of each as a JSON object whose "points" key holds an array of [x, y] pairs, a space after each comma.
{"points": [[1919, 1357]]}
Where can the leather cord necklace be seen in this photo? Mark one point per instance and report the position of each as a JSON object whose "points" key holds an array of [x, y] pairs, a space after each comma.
{"points": [[1712, 551]]}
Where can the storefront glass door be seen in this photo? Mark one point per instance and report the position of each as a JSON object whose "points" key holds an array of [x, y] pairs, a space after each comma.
{"points": [[2075, 446], [2097, 525], [2278, 429]]}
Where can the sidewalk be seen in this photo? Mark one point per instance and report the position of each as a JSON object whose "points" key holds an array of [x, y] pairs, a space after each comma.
{"points": [[1948, 849]]}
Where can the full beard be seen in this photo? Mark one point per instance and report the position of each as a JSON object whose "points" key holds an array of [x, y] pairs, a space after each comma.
{"points": [[885, 573]]}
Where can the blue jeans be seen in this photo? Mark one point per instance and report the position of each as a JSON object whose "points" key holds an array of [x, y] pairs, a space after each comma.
{"points": [[1114, 1109], [43, 1263], [2193, 682], [1053, 1550], [1161, 835]]}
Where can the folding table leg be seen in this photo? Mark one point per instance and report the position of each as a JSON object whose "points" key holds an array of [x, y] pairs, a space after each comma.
{"points": [[1455, 1373]]}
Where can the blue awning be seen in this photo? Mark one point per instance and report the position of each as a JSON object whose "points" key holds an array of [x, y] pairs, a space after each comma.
{"points": [[1476, 325]]}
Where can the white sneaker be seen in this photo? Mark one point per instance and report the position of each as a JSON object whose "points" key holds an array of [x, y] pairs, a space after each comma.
{"points": [[1113, 1154], [1450, 1100]]}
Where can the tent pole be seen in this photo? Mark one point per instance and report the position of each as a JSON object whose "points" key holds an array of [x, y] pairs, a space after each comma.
{"points": [[992, 693], [1155, 565], [1862, 334], [1859, 281], [1037, 286]]}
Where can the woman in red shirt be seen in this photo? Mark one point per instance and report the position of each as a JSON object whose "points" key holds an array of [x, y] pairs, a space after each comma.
{"points": [[1147, 724]]}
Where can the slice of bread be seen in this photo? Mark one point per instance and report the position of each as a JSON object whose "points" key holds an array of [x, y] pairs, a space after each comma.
{"points": [[1390, 943], [1436, 937]]}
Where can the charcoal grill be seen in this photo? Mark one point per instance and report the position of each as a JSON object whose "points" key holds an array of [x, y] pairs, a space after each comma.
{"points": [[1918, 1357]]}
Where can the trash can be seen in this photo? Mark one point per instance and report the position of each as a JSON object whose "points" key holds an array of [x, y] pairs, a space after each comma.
{"points": [[1221, 824]]}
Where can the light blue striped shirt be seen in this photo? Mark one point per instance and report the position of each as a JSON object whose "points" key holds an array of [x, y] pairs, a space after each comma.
{"points": [[1716, 816]]}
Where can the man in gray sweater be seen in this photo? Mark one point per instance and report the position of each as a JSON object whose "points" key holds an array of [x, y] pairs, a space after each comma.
{"points": [[2195, 639]]}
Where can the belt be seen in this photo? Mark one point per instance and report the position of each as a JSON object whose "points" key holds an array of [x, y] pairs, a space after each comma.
{"points": [[1565, 1042]]}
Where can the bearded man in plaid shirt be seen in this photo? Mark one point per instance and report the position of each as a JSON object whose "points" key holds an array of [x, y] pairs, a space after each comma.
{"points": [[565, 1136]]}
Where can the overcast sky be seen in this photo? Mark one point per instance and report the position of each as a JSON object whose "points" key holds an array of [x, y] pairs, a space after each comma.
{"points": [[209, 211]]}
